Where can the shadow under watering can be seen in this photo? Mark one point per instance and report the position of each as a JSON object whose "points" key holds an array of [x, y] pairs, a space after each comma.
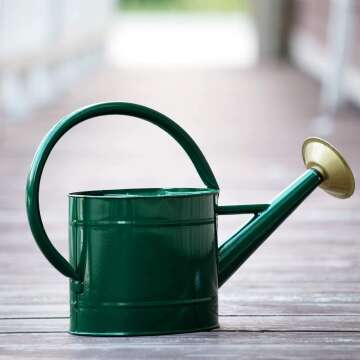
{"points": [[147, 261]]}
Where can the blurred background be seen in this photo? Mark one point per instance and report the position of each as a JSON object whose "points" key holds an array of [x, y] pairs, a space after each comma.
{"points": [[47, 46], [248, 80]]}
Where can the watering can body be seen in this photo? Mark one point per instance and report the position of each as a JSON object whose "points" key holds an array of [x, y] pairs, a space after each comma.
{"points": [[147, 261]]}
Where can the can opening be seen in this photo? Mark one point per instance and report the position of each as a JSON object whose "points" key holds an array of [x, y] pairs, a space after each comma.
{"points": [[145, 192]]}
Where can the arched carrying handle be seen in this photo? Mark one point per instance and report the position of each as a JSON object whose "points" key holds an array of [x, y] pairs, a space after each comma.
{"points": [[65, 124]]}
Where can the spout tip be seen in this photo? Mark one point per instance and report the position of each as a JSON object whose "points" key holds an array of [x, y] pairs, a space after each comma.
{"points": [[338, 179]]}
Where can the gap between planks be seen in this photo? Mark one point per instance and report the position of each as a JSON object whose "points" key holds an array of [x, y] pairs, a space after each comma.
{"points": [[232, 324]]}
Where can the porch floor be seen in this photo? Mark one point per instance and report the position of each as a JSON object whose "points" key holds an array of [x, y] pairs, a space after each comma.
{"points": [[299, 294]]}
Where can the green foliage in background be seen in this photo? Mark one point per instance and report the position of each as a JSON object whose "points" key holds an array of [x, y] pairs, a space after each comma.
{"points": [[184, 5]]}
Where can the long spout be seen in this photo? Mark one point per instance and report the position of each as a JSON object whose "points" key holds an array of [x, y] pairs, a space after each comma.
{"points": [[326, 167]]}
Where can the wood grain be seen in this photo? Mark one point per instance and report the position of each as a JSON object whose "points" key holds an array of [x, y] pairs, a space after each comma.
{"points": [[297, 297]]}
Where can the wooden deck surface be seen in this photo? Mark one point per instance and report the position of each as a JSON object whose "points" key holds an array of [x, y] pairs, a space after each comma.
{"points": [[297, 297]]}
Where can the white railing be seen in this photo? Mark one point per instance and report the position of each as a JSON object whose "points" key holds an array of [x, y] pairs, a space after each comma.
{"points": [[45, 46]]}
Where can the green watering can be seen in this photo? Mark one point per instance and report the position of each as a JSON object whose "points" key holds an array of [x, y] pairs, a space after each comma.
{"points": [[146, 261]]}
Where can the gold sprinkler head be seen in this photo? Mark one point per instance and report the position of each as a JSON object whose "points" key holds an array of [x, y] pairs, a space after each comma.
{"points": [[338, 178]]}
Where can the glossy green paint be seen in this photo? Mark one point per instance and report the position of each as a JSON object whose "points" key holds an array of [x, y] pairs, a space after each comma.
{"points": [[146, 261], [234, 252]]}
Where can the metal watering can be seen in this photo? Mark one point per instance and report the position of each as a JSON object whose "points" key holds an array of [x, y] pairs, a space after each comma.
{"points": [[146, 261]]}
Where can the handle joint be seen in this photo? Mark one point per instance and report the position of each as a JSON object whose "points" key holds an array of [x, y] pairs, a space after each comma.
{"points": [[240, 209]]}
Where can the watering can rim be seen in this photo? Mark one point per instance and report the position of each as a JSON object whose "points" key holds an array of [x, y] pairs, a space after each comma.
{"points": [[144, 193]]}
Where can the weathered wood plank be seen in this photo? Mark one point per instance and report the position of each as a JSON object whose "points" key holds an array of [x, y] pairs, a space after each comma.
{"points": [[215, 344], [34, 325], [271, 323]]}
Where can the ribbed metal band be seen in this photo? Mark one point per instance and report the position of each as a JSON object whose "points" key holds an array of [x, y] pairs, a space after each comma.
{"points": [[142, 304], [147, 223]]}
